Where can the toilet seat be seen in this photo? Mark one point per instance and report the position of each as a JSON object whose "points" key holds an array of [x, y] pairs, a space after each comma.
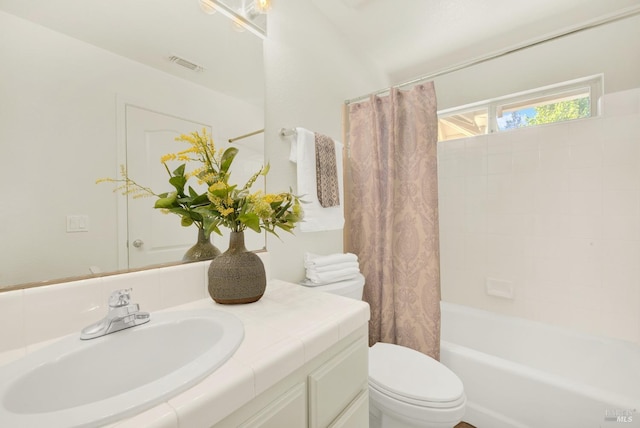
{"points": [[414, 378]]}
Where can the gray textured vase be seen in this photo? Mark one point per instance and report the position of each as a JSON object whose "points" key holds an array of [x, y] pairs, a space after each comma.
{"points": [[203, 250], [237, 275]]}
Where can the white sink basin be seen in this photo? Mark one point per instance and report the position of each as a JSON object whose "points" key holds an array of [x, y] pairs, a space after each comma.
{"points": [[86, 383]]}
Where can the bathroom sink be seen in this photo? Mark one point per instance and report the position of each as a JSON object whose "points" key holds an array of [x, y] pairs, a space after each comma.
{"points": [[85, 383]]}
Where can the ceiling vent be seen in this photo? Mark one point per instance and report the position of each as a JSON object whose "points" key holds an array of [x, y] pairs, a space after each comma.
{"points": [[186, 63]]}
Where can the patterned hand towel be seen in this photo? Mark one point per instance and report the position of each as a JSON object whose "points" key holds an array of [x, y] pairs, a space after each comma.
{"points": [[326, 171]]}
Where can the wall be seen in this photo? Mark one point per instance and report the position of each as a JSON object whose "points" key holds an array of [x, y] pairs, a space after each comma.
{"points": [[555, 212], [611, 49], [310, 71], [58, 131]]}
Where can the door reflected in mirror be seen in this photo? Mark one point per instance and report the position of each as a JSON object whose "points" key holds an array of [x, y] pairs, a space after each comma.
{"points": [[67, 81]]}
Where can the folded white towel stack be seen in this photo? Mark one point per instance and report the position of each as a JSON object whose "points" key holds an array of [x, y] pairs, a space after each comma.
{"points": [[323, 270]]}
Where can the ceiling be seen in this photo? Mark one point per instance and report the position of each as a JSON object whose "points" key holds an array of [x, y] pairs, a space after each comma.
{"points": [[151, 31], [410, 38], [403, 38]]}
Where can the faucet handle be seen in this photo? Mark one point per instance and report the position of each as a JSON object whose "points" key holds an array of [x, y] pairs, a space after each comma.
{"points": [[120, 298]]}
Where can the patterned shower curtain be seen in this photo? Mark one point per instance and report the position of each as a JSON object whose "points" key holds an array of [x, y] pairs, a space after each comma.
{"points": [[392, 215]]}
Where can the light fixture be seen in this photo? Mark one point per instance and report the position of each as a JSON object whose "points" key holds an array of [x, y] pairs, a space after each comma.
{"points": [[207, 7], [250, 17], [256, 8], [263, 6]]}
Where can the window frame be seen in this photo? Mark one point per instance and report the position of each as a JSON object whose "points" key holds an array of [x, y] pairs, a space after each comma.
{"points": [[593, 83]]}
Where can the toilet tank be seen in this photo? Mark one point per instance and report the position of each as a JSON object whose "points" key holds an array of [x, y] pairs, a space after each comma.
{"points": [[352, 288]]}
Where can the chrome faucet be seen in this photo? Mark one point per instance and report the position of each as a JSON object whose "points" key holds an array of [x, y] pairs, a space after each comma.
{"points": [[122, 314]]}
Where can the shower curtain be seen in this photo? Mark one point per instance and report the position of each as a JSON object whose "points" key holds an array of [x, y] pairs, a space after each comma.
{"points": [[392, 214]]}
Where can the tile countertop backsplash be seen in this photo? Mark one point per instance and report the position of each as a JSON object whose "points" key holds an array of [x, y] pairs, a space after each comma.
{"points": [[288, 327]]}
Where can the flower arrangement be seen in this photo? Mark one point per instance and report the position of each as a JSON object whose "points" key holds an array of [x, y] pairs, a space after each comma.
{"points": [[222, 203]]}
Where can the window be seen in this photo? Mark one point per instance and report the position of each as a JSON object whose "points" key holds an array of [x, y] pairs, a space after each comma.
{"points": [[567, 101]]}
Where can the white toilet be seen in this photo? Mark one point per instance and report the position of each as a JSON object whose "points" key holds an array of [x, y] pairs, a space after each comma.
{"points": [[407, 389]]}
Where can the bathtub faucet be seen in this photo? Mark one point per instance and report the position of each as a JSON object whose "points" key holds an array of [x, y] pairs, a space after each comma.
{"points": [[122, 314]]}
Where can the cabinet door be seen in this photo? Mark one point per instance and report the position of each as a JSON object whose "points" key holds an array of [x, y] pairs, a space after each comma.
{"points": [[356, 415], [334, 385], [289, 410]]}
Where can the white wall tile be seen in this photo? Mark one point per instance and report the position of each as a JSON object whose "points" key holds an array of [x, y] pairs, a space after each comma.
{"points": [[585, 226], [621, 151], [503, 224], [623, 227], [181, 284], [621, 177], [57, 310], [587, 179], [554, 158], [526, 161], [499, 143], [587, 203], [586, 131], [475, 251], [621, 202], [525, 140], [554, 136], [499, 163], [552, 181], [587, 155], [557, 210], [552, 203], [475, 164]]}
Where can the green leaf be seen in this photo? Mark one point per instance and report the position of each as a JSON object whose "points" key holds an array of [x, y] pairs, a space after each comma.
{"points": [[227, 159], [193, 193], [166, 202], [251, 220], [200, 200], [211, 225], [178, 182], [179, 171]]}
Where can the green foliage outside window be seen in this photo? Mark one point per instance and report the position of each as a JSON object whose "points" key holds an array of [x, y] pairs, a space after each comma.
{"points": [[560, 111]]}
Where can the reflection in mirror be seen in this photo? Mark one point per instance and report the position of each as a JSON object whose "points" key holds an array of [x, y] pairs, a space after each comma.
{"points": [[245, 14], [72, 85]]}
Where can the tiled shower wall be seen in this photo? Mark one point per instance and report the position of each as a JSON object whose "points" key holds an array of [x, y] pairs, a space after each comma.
{"points": [[552, 216]]}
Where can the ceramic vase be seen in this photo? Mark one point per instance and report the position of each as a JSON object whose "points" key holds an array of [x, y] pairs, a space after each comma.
{"points": [[202, 250], [237, 275]]}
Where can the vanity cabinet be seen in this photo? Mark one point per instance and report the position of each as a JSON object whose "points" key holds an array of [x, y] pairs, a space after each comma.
{"points": [[331, 391], [288, 410]]}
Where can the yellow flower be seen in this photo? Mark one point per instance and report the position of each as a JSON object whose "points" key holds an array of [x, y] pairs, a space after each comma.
{"points": [[272, 197], [226, 211], [262, 208], [297, 209], [168, 157]]}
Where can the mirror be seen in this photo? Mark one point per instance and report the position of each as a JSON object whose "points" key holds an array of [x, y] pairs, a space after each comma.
{"points": [[72, 70]]}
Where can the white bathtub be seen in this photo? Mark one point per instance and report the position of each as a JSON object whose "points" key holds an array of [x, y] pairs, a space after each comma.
{"points": [[521, 373]]}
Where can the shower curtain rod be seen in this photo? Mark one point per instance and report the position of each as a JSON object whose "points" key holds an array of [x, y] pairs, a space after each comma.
{"points": [[250, 134], [613, 17]]}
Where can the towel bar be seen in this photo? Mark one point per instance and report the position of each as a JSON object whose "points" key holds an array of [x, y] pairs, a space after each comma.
{"points": [[288, 132]]}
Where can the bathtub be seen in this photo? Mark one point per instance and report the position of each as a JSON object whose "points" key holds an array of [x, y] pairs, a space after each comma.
{"points": [[525, 374]]}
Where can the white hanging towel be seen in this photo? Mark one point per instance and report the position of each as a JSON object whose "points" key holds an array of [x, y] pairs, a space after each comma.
{"points": [[316, 218]]}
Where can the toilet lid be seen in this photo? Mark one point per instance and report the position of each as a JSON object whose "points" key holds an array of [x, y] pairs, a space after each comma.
{"points": [[412, 376]]}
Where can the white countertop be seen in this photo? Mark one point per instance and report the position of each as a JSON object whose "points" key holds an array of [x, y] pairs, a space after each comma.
{"points": [[285, 329]]}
